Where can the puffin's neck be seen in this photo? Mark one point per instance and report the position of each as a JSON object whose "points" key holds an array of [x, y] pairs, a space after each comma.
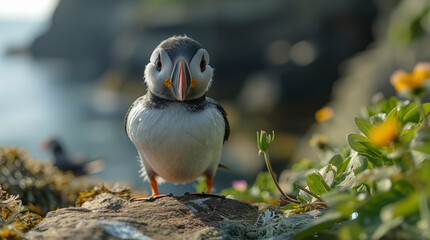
{"points": [[162, 101], [194, 105]]}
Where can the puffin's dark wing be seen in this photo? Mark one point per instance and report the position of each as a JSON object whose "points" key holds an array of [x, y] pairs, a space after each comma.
{"points": [[128, 112], [224, 115]]}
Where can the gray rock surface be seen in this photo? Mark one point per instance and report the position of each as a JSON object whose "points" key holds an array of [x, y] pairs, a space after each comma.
{"points": [[183, 217]]}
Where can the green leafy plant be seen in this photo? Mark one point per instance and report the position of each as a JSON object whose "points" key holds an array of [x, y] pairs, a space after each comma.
{"points": [[381, 187], [384, 183], [378, 185]]}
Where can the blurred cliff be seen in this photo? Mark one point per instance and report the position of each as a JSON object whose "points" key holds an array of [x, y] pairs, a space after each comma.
{"points": [[402, 35], [276, 62]]}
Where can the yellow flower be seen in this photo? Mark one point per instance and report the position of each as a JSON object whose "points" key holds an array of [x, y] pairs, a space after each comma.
{"points": [[403, 81], [324, 114], [385, 133], [319, 141]]}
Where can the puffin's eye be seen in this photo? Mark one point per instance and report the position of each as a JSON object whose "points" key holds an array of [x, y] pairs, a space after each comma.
{"points": [[203, 64], [158, 64]]}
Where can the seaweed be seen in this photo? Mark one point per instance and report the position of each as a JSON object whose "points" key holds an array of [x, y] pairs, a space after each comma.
{"points": [[41, 187], [13, 221]]}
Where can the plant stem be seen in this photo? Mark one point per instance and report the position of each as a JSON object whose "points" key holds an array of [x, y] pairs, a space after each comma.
{"points": [[314, 204], [421, 110], [269, 167], [309, 192]]}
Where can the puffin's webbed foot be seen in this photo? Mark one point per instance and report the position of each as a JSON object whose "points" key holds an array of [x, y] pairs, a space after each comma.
{"points": [[155, 194], [209, 183], [150, 198], [205, 194]]}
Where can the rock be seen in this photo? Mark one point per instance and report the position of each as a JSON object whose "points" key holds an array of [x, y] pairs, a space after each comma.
{"points": [[182, 217]]}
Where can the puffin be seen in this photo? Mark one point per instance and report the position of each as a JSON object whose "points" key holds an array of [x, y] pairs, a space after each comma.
{"points": [[79, 166], [177, 130]]}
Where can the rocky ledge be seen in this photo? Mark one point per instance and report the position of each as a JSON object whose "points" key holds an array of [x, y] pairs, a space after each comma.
{"points": [[182, 217]]}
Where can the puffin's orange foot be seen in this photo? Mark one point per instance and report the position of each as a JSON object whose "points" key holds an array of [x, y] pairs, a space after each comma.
{"points": [[205, 194], [150, 198]]}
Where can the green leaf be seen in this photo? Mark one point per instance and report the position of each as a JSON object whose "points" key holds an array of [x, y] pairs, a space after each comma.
{"points": [[379, 173], [328, 173], [316, 184], [319, 225], [385, 227], [420, 175], [407, 135], [343, 166], [425, 213], [342, 201], [350, 231], [424, 147], [377, 119], [363, 125], [413, 115], [362, 188], [304, 197], [388, 105], [422, 140], [355, 142], [393, 114], [405, 108], [383, 106], [402, 208], [358, 164], [336, 160], [426, 108], [360, 144], [289, 206], [349, 181]]}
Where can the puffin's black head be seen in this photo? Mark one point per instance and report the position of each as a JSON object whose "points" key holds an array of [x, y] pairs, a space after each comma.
{"points": [[53, 145], [179, 69]]}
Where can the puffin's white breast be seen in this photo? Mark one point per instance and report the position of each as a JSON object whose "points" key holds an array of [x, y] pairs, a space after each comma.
{"points": [[177, 144]]}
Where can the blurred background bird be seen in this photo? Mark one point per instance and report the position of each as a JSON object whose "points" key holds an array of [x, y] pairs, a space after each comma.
{"points": [[177, 130], [79, 165]]}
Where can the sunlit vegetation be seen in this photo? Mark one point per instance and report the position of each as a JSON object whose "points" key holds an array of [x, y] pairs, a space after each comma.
{"points": [[378, 184]]}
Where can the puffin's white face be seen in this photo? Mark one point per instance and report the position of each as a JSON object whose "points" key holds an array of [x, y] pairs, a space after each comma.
{"points": [[177, 78]]}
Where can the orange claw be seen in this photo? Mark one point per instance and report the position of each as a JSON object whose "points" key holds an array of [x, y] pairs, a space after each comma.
{"points": [[155, 194], [149, 198]]}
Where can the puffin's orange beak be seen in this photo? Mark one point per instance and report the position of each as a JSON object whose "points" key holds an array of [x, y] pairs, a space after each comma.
{"points": [[44, 144], [181, 80]]}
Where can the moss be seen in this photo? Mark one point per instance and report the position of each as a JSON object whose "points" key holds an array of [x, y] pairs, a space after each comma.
{"points": [[121, 192]]}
